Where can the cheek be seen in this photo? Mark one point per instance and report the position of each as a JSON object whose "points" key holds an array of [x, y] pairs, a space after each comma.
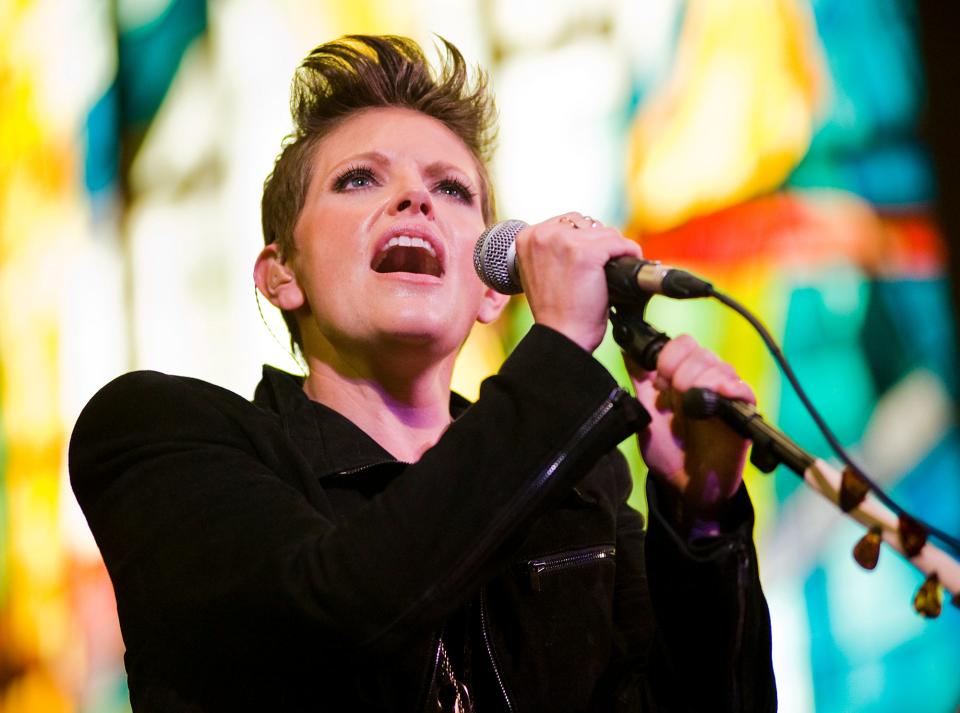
{"points": [[329, 262], [319, 274]]}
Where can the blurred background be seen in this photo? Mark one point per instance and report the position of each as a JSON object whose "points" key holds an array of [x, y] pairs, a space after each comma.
{"points": [[799, 153]]}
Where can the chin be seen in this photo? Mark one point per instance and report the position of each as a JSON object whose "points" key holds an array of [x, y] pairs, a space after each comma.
{"points": [[422, 335], [426, 330]]}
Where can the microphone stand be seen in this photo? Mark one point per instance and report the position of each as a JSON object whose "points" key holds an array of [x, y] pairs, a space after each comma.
{"points": [[771, 447], [642, 342]]}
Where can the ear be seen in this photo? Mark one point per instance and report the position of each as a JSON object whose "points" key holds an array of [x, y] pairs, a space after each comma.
{"points": [[492, 305], [276, 279]]}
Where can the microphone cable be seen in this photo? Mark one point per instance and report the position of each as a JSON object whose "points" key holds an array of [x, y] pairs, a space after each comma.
{"points": [[835, 445], [494, 258]]}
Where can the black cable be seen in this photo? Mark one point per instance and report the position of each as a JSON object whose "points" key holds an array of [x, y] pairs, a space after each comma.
{"points": [[824, 429]]}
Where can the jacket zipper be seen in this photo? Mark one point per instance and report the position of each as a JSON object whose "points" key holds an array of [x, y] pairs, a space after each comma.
{"points": [[488, 644], [432, 668], [566, 560], [368, 466], [588, 425]]}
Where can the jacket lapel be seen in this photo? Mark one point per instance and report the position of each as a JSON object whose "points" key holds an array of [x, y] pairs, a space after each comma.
{"points": [[330, 442]]}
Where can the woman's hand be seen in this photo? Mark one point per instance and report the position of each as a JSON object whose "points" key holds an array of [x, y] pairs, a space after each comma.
{"points": [[562, 263], [701, 458]]}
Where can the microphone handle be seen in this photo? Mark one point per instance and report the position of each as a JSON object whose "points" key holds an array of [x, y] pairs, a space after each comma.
{"points": [[622, 273], [630, 279]]}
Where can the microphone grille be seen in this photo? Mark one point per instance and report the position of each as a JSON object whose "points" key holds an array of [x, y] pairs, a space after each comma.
{"points": [[494, 255]]}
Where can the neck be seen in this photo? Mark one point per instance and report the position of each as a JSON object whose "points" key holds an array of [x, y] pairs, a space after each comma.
{"points": [[402, 407]]}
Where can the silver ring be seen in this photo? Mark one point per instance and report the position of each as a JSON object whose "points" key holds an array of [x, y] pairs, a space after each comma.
{"points": [[593, 221]]}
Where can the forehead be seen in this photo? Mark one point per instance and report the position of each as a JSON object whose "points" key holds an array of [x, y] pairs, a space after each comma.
{"points": [[397, 133]]}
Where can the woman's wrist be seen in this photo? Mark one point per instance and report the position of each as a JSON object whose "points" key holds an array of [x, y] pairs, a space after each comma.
{"points": [[584, 338], [691, 517]]}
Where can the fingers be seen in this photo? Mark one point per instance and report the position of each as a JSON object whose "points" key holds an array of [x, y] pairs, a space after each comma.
{"points": [[684, 364], [562, 262], [578, 221], [582, 237]]}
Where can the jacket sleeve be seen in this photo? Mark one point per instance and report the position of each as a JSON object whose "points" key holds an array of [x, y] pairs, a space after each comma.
{"points": [[712, 644], [201, 534]]}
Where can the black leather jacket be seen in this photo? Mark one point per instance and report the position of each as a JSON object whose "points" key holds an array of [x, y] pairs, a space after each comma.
{"points": [[271, 556]]}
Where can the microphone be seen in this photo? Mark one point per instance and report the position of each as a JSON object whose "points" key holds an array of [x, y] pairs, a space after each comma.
{"points": [[628, 279]]}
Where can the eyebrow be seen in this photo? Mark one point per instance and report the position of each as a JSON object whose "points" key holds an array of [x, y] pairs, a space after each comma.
{"points": [[434, 169], [443, 168], [373, 156]]}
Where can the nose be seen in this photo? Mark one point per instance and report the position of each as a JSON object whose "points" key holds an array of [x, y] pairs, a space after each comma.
{"points": [[413, 199]]}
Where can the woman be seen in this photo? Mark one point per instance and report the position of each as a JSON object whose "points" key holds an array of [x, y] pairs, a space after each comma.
{"points": [[363, 540]]}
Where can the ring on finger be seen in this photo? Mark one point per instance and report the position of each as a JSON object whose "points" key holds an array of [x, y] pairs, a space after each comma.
{"points": [[565, 219], [593, 221]]}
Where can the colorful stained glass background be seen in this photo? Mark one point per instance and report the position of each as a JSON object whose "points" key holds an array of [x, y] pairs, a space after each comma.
{"points": [[773, 146]]}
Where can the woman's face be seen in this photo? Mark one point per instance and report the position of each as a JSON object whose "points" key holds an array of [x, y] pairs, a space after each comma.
{"points": [[385, 240]]}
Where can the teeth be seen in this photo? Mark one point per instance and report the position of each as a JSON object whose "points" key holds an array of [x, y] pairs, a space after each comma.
{"points": [[406, 241]]}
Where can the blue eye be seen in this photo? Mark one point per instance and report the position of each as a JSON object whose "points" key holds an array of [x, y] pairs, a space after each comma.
{"points": [[456, 189], [355, 177]]}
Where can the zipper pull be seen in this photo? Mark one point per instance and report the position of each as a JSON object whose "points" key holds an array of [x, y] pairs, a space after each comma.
{"points": [[463, 702], [536, 569], [454, 698]]}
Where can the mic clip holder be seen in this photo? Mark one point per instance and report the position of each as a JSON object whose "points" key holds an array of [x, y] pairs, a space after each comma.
{"points": [[636, 337], [643, 343]]}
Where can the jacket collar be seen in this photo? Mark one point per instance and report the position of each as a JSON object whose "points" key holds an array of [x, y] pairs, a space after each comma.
{"points": [[331, 442]]}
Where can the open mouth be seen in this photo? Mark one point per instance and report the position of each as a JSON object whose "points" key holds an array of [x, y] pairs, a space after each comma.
{"points": [[404, 253]]}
